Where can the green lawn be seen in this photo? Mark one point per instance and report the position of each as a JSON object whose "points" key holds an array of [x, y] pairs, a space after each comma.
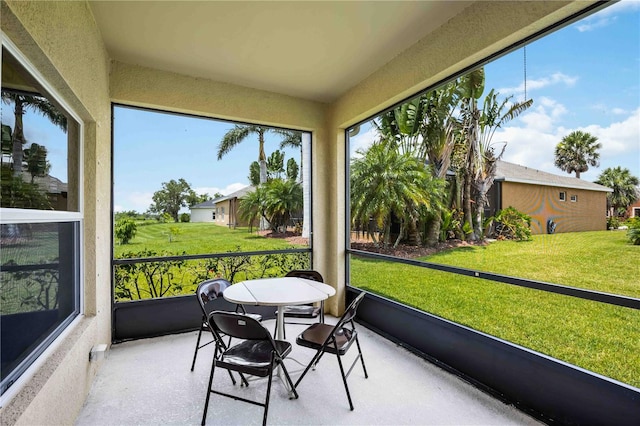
{"points": [[197, 238], [595, 336], [601, 260]]}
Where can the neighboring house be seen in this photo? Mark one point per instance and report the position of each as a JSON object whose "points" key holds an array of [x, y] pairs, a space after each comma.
{"points": [[570, 203], [221, 211], [56, 190], [634, 209]]}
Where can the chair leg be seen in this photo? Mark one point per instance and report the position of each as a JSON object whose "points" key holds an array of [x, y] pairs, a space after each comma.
{"points": [[344, 380], [366, 376], [288, 377], [312, 363], [195, 353], [266, 401], [206, 403]]}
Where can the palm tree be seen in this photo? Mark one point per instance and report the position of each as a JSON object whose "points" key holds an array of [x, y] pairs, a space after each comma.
{"points": [[477, 130], [21, 103], [576, 152], [471, 87], [624, 185], [36, 159], [283, 197], [386, 183], [252, 207], [485, 163], [241, 132]]}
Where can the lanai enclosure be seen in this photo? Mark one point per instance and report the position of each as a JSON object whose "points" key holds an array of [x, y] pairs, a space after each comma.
{"points": [[238, 61]]}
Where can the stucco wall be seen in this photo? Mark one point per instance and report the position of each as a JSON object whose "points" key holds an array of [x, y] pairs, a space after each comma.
{"points": [[587, 213], [63, 43]]}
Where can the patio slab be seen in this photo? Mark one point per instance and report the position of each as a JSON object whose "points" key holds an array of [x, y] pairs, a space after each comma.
{"points": [[148, 382]]}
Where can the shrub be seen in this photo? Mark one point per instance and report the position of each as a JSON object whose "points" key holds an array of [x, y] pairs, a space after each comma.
{"points": [[185, 217], [125, 230], [634, 230], [613, 222], [513, 225]]}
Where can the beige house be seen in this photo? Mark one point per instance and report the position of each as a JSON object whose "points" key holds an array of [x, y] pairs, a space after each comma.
{"points": [[223, 211], [202, 58], [555, 203]]}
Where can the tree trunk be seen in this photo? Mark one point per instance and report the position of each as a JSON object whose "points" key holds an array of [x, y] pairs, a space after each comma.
{"points": [[433, 231], [466, 205], [478, 231], [413, 233], [18, 138]]}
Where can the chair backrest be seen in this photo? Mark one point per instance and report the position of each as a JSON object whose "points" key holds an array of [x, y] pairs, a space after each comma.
{"points": [[209, 291], [308, 274], [350, 312], [238, 325]]}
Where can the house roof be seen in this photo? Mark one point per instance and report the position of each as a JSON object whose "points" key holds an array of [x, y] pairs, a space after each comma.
{"points": [[50, 184], [510, 172], [212, 203]]}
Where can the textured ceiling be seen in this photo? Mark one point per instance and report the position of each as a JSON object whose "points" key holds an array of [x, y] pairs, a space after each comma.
{"points": [[307, 49]]}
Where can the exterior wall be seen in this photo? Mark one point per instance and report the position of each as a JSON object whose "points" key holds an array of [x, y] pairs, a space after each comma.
{"points": [[63, 43], [223, 219], [634, 209], [542, 203], [202, 215]]}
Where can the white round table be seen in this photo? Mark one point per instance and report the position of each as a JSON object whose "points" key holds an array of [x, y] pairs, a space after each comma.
{"points": [[279, 292]]}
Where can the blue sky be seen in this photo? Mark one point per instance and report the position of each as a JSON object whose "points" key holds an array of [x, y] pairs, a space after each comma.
{"points": [[585, 76], [151, 148]]}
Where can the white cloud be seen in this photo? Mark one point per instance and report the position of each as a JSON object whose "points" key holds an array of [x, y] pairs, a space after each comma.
{"points": [[594, 23], [605, 17], [618, 111], [212, 190], [138, 201], [618, 138], [556, 78], [543, 115], [363, 140], [533, 144]]}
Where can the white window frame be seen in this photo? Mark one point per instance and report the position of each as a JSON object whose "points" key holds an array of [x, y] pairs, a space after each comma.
{"points": [[13, 215], [562, 196], [574, 198]]}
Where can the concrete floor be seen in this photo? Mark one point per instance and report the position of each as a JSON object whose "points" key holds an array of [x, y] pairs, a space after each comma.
{"points": [[148, 382]]}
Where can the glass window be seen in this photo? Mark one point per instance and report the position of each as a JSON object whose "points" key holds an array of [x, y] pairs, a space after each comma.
{"points": [[40, 218], [456, 180], [39, 145], [259, 176]]}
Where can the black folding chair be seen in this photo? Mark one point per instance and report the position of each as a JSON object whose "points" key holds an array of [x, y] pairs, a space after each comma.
{"points": [[302, 311], [257, 355], [335, 339], [206, 293]]}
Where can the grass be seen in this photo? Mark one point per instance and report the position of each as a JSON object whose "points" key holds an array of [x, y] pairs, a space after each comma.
{"points": [[595, 336], [197, 238], [601, 260]]}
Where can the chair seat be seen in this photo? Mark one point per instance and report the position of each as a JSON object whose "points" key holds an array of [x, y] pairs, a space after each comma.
{"points": [[252, 356], [316, 335], [301, 311]]}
